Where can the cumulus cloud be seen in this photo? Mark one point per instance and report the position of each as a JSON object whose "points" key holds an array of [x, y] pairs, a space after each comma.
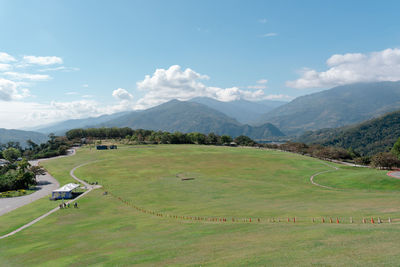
{"points": [[175, 83], [9, 90], [4, 57], [27, 76], [42, 61], [122, 94], [352, 68]]}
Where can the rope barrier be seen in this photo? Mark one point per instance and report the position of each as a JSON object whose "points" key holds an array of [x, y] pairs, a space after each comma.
{"points": [[240, 220]]}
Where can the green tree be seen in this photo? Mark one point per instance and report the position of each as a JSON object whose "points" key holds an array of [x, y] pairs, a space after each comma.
{"points": [[243, 140], [11, 154], [396, 148], [37, 170], [226, 139]]}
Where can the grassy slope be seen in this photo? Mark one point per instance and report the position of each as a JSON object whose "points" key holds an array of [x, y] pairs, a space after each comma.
{"points": [[229, 181]]}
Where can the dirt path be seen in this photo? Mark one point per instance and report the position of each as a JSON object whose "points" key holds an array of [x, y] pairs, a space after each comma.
{"points": [[88, 186], [46, 184], [320, 185]]}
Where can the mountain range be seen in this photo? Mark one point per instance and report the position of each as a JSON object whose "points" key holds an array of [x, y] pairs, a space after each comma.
{"points": [[188, 117], [336, 107], [244, 111], [333, 108], [182, 116], [20, 136]]}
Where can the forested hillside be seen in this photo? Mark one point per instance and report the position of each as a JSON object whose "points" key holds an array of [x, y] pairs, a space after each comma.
{"points": [[367, 138]]}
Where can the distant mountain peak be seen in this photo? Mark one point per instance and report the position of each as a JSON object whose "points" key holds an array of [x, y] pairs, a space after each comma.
{"points": [[244, 111], [335, 107]]}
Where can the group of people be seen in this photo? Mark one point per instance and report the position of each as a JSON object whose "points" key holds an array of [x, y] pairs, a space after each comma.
{"points": [[64, 205]]}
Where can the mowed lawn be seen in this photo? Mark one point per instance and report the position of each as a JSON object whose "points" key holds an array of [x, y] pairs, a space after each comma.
{"points": [[225, 183]]}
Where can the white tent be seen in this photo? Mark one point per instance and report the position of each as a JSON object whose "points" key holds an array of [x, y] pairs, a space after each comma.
{"points": [[67, 188], [64, 192]]}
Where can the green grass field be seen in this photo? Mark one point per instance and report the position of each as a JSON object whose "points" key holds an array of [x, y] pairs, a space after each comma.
{"points": [[239, 183]]}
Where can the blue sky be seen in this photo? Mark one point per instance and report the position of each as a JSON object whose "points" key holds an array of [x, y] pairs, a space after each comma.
{"points": [[73, 59]]}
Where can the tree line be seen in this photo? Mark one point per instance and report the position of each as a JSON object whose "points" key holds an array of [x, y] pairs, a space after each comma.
{"points": [[141, 136], [382, 160]]}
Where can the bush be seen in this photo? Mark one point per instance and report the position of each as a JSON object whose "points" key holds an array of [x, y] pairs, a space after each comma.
{"points": [[385, 160], [243, 140]]}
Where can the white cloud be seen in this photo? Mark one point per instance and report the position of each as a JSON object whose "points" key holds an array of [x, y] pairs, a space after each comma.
{"points": [[261, 84], [352, 68], [262, 21], [19, 114], [27, 76], [122, 94], [278, 97], [9, 91], [85, 85], [61, 68], [5, 67], [72, 93], [4, 57], [87, 96], [43, 61], [270, 34], [262, 81], [175, 83]]}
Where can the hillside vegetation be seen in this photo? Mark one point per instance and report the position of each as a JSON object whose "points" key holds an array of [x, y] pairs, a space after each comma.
{"points": [[367, 138]]}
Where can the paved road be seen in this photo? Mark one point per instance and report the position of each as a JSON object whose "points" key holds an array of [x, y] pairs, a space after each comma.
{"points": [[46, 184], [88, 186]]}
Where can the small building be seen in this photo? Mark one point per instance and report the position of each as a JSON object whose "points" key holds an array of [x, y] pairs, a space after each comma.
{"points": [[101, 147], [64, 192], [113, 147]]}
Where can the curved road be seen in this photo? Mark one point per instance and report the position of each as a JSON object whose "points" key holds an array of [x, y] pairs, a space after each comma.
{"points": [[90, 187], [46, 184]]}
